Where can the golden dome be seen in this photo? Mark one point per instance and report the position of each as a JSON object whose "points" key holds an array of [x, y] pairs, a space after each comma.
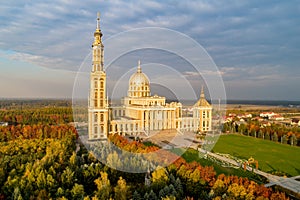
{"points": [[139, 84]]}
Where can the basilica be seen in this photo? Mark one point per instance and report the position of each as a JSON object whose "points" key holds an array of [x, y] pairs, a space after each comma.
{"points": [[140, 112]]}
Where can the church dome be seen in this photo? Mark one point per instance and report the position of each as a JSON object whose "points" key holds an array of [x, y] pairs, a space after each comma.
{"points": [[139, 84]]}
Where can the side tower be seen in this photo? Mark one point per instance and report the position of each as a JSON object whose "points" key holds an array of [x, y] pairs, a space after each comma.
{"points": [[202, 114], [98, 105]]}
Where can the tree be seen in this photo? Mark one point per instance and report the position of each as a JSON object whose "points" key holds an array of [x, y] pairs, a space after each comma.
{"points": [[178, 188], [161, 193], [267, 136], [121, 190], [241, 128], [172, 179], [77, 191], [219, 187], [284, 139], [293, 140], [103, 186], [160, 175], [73, 160], [260, 134], [59, 192], [17, 194], [169, 198], [51, 183], [136, 196], [236, 191], [172, 191], [146, 196], [275, 137], [67, 177], [152, 196], [41, 180], [42, 195]]}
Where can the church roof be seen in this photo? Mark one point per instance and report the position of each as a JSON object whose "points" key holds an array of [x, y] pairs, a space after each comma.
{"points": [[202, 102]]}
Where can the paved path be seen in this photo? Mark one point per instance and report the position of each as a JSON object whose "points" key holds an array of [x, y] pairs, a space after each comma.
{"points": [[289, 183], [173, 139]]}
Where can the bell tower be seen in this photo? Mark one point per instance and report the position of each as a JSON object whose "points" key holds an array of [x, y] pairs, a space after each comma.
{"points": [[98, 102]]}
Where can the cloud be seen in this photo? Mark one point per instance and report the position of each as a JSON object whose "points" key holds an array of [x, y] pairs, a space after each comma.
{"points": [[259, 41], [265, 73], [57, 28], [191, 74]]}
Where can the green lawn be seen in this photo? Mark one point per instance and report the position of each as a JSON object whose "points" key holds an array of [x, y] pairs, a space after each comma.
{"points": [[271, 156]]}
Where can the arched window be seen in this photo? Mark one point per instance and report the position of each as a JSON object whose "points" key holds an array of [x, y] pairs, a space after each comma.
{"points": [[96, 117], [96, 99]]}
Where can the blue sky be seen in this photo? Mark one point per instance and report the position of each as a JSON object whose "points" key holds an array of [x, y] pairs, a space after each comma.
{"points": [[255, 44]]}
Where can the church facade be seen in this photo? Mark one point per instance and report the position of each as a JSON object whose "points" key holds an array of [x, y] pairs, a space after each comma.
{"points": [[140, 112]]}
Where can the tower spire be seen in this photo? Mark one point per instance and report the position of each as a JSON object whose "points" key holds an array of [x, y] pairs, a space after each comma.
{"points": [[139, 67], [97, 33], [202, 95], [98, 20]]}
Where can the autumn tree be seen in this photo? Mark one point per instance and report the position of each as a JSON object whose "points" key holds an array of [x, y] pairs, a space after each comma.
{"points": [[160, 175], [103, 186], [121, 190], [77, 191]]}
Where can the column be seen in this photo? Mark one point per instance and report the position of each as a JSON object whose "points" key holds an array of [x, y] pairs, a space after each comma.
{"points": [[118, 128], [151, 120], [146, 120]]}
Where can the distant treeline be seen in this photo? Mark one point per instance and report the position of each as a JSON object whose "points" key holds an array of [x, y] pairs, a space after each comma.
{"points": [[33, 103], [23, 103], [265, 102], [30, 116]]}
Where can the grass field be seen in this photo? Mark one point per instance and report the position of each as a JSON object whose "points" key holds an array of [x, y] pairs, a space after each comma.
{"points": [[271, 156]]}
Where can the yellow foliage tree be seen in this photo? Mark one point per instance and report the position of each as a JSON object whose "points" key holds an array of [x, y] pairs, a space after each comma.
{"points": [[121, 189], [236, 191], [160, 175], [103, 186]]}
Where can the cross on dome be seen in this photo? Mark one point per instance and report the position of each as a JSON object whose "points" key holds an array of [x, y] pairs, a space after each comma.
{"points": [[98, 20], [139, 67]]}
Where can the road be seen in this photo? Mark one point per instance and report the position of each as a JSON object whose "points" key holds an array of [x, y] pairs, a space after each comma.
{"points": [[288, 183]]}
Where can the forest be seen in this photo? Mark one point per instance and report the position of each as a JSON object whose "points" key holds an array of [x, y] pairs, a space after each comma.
{"points": [[41, 157]]}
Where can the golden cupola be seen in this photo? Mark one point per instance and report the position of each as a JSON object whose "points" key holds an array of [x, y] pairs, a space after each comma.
{"points": [[97, 33], [139, 84]]}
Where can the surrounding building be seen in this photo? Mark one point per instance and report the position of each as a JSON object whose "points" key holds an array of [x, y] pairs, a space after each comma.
{"points": [[3, 123], [267, 115], [140, 112], [295, 121]]}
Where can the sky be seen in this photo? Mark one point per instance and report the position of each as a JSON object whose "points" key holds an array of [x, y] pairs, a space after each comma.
{"points": [[254, 44]]}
